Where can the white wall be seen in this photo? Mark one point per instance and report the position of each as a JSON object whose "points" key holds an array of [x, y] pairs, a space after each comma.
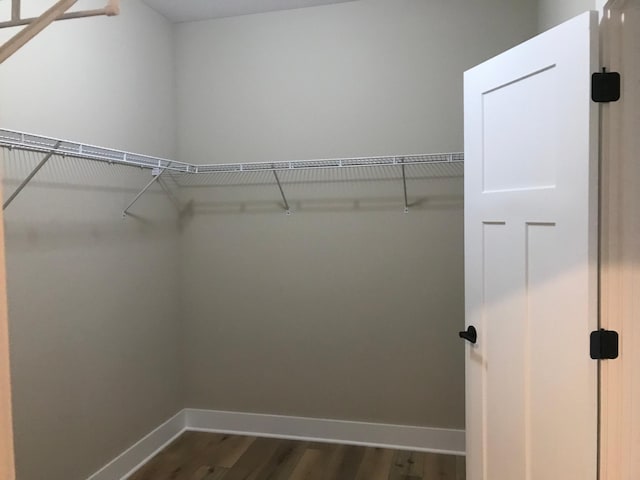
{"points": [[554, 12], [92, 297], [348, 308], [332, 80], [99, 80]]}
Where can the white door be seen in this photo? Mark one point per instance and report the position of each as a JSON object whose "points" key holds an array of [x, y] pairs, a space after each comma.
{"points": [[531, 258]]}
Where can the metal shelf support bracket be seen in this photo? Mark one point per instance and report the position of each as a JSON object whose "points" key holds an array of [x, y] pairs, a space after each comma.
{"points": [[284, 198], [404, 183], [33, 173], [156, 176]]}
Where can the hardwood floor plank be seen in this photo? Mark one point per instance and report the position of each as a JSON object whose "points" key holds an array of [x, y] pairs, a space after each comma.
{"points": [[321, 445], [218, 473], [439, 467], [407, 466], [253, 459], [211, 456], [209, 473], [283, 461], [202, 472], [343, 462], [173, 460], [222, 451], [229, 455], [461, 468], [333, 460], [376, 464], [191, 452], [351, 462], [310, 465]]}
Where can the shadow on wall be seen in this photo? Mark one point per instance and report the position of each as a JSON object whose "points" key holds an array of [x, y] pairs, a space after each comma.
{"points": [[427, 187], [371, 204], [74, 203]]}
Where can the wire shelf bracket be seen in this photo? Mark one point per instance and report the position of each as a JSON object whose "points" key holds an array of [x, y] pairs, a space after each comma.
{"points": [[29, 177], [157, 173], [284, 197], [404, 183]]}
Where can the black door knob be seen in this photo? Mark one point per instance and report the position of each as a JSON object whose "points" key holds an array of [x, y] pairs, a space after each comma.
{"points": [[470, 335]]}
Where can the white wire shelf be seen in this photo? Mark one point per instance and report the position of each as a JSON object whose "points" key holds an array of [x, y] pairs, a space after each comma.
{"points": [[187, 175], [39, 143], [330, 163]]}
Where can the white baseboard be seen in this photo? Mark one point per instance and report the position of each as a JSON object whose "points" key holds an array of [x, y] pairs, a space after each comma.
{"points": [[437, 440], [142, 451], [401, 437]]}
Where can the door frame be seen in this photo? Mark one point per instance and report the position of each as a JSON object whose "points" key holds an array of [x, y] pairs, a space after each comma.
{"points": [[7, 457], [620, 241]]}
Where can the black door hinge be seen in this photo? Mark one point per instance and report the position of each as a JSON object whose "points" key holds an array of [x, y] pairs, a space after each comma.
{"points": [[604, 344], [605, 86]]}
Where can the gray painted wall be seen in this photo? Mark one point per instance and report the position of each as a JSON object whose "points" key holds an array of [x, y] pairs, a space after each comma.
{"points": [[554, 12], [348, 308], [92, 297]]}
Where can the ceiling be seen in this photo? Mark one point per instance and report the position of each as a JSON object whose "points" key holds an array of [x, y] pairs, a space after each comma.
{"points": [[192, 10]]}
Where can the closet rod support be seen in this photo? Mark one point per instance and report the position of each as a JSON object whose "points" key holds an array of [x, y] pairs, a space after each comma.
{"points": [[15, 10], [284, 198], [156, 177], [404, 183], [65, 16], [33, 173], [25, 35], [111, 9]]}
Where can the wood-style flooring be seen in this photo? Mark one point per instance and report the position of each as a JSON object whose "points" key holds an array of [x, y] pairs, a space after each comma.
{"points": [[213, 456]]}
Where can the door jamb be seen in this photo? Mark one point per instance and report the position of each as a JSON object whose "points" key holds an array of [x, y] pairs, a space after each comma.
{"points": [[620, 242], [7, 457]]}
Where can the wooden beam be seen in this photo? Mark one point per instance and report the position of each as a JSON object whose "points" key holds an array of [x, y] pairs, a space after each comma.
{"points": [[112, 8], [15, 10], [7, 465], [27, 33], [65, 16]]}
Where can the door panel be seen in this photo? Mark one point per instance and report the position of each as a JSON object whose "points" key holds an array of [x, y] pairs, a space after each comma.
{"points": [[535, 95], [531, 258], [503, 359]]}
